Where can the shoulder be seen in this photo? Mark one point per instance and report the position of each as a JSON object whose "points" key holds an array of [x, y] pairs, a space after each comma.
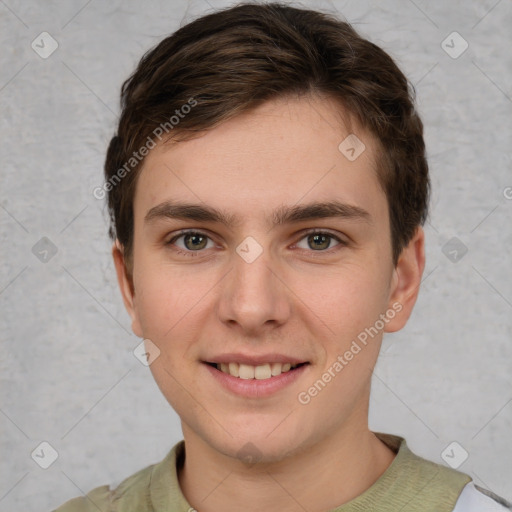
{"points": [[155, 485], [432, 486], [133, 490], [474, 498], [99, 499], [426, 476]]}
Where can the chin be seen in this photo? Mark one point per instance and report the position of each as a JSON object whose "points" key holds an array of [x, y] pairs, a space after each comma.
{"points": [[259, 444]]}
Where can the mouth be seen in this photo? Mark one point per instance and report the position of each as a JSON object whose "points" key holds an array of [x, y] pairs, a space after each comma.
{"points": [[267, 375], [265, 371]]}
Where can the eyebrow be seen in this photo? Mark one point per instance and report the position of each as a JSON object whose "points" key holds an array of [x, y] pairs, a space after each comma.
{"points": [[281, 215]]}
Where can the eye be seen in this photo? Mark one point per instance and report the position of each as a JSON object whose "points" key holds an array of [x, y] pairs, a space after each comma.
{"points": [[319, 241], [193, 241]]}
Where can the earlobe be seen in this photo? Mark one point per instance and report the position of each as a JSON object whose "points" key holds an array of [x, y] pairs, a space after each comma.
{"points": [[126, 286], [406, 281]]}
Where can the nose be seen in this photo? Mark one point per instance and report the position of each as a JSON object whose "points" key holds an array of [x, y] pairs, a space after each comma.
{"points": [[253, 296]]}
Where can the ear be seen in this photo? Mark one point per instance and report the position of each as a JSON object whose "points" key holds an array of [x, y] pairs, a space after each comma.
{"points": [[406, 281], [126, 286]]}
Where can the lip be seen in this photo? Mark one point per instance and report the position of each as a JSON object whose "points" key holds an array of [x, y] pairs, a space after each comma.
{"points": [[254, 360], [254, 388]]}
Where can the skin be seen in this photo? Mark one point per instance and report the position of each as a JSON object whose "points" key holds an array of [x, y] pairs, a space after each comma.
{"points": [[294, 299]]}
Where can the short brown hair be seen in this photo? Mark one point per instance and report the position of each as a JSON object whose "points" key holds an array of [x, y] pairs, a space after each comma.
{"points": [[231, 61]]}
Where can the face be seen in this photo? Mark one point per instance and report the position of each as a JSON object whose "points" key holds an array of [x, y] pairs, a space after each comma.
{"points": [[269, 280]]}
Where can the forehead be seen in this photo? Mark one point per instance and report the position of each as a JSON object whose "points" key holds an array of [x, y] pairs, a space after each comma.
{"points": [[285, 151]]}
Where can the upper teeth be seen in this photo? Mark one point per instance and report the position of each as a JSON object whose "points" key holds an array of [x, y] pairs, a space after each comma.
{"points": [[247, 371]]}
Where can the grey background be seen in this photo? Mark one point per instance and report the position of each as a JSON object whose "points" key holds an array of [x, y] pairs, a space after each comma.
{"points": [[68, 373]]}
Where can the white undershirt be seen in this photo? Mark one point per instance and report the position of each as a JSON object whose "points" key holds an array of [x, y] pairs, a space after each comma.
{"points": [[472, 500]]}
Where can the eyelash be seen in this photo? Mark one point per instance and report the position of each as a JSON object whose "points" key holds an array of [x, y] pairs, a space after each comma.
{"points": [[193, 254]]}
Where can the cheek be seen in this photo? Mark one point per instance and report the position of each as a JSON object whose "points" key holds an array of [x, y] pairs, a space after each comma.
{"points": [[168, 300], [346, 299], [350, 306]]}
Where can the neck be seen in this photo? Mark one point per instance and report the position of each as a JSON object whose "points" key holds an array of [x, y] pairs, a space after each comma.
{"points": [[308, 480]]}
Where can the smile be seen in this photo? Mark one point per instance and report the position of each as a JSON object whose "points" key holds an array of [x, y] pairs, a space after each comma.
{"points": [[255, 381], [260, 372]]}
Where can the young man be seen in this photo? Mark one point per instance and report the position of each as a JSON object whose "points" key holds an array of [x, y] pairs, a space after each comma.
{"points": [[267, 188]]}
